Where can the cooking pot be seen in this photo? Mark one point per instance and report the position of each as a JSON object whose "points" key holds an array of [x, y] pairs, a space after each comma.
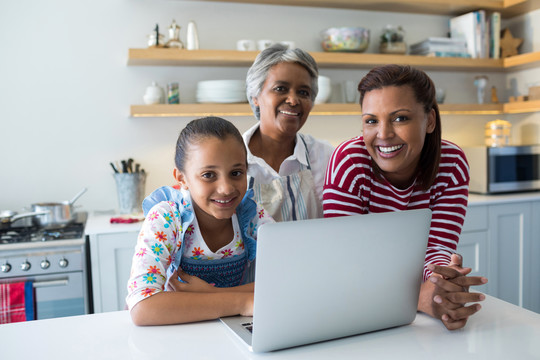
{"points": [[8, 217], [55, 214]]}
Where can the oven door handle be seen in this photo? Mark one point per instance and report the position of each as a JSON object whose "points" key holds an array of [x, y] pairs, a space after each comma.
{"points": [[50, 283]]}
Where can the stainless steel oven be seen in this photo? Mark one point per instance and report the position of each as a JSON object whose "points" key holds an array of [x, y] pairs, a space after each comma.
{"points": [[504, 169], [54, 261]]}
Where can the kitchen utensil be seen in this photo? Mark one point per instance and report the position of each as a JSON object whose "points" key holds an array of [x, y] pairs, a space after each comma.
{"points": [[325, 89], [57, 214], [392, 40], [192, 36], [440, 94], [497, 133], [173, 94], [221, 91], [345, 39], [246, 45], [155, 39], [154, 94], [480, 82], [8, 217], [264, 44], [130, 188], [288, 43], [174, 37], [350, 89]]}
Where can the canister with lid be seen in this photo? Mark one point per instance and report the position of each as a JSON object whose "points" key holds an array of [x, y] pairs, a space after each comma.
{"points": [[497, 133]]}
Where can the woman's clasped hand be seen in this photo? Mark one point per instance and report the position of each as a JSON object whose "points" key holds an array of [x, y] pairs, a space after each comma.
{"points": [[448, 293]]}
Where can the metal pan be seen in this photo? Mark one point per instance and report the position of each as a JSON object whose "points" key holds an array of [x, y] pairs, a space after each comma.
{"points": [[8, 217], [58, 214]]}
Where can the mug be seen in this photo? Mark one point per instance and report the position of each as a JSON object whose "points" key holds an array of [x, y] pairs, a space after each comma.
{"points": [[245, 45], [289, 44], [264, 44]]}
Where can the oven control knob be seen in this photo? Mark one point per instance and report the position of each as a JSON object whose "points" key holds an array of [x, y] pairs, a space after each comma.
{"points": [[6, 267], [25, 266], [45, 264], [63, 262]]}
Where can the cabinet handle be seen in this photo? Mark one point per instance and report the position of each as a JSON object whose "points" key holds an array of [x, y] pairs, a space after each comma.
{"points": [[50, 283]]}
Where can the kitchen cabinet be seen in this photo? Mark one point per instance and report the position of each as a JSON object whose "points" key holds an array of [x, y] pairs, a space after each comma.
{"points": [[110, 269], [111, 249], [219, 58], [534, 260], [473, 244], [510, 227], [501, 240]]}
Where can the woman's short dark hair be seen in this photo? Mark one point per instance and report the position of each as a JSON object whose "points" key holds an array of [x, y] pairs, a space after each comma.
{"points": [[424, 92], [199, 129]]}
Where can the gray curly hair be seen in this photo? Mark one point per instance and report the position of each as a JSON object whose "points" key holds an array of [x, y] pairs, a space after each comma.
{"points": [[276, 54]]}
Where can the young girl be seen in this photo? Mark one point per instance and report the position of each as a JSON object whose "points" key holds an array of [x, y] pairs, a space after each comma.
{"points": [[401, 163], [203, 234]]}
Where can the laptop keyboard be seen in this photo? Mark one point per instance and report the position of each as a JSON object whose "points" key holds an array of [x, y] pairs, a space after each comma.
{"points": [[248, 326]]}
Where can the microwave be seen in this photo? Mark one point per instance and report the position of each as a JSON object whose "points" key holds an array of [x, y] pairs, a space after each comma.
{"points": [[503, 169]]}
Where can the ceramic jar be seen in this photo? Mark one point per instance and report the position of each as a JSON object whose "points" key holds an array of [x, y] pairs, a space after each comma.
{"points": [[154, 94]]}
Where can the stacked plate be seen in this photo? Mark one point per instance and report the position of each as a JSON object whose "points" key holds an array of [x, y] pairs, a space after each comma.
{"points": [[221, 91]]}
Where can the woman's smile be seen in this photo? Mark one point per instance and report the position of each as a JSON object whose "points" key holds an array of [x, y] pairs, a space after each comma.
{"points": [[389, 150], [394, 129]]}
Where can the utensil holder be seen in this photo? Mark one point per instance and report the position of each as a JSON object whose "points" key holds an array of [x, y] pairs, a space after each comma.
{"points": [[130, 189]]}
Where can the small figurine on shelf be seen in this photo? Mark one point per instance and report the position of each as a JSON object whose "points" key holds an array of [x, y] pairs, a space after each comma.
{"points": [[480, 82], [494, 97], [155, 39], [509, 44], [392, 40], [174, 36]]}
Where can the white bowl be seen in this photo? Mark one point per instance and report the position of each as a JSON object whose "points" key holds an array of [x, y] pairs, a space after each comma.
{"points": [[325, 90]]}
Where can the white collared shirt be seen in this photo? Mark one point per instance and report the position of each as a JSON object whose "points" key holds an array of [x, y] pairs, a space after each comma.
{"points": [[319, 153]]}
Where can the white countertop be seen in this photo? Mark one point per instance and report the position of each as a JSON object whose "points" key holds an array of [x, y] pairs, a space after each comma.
{"points": [[499, 331], [101, 224], [477, 199]]}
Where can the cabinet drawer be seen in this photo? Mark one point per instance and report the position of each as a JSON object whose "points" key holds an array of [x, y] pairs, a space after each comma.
{"points": [[476, 219]]}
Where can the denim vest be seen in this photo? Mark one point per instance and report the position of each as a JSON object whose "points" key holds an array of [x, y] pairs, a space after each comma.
{"points": [[226, 272]]}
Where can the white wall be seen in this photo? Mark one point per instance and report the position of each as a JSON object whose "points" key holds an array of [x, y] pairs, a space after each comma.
{"points": [[65, 89]]}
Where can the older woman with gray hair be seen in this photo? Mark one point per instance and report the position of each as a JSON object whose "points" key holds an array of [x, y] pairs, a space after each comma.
{"points": [[286, 169]]}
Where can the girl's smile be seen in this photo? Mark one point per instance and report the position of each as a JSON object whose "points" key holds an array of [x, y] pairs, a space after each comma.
{"points": [[215, 175]]}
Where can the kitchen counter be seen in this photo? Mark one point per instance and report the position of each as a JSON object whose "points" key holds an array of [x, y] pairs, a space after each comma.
{"points": [[477, 199], [500, 330], [101, 224]]}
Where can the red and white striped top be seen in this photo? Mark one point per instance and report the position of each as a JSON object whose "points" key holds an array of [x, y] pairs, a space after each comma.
{"points": [[351, 188]]}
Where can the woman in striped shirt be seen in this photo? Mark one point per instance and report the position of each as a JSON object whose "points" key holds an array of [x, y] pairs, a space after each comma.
{"points": [[402, 163]]}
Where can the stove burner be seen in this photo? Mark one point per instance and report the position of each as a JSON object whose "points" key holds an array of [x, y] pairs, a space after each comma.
{"points": [[35, 233]]}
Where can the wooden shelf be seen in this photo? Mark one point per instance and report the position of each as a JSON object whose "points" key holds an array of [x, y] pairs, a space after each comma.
{"points": [[522, 61], [507, 8], [471, 109], [181, 57], [199, 110], [521, 107]]}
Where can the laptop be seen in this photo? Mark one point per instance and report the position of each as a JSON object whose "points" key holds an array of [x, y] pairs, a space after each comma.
{"points": [[323, 279]]}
